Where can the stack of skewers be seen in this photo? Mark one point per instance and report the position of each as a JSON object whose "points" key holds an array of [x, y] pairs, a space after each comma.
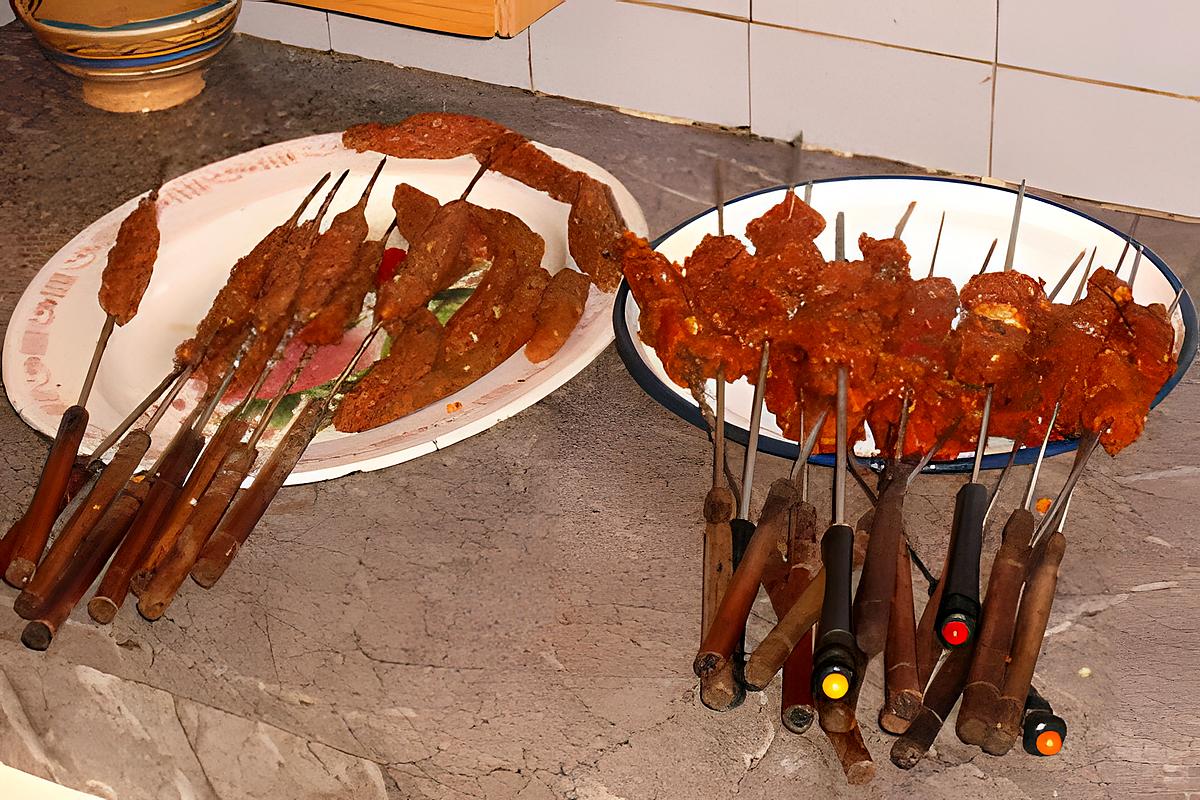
{"points": [[834, 348], [469, 293]]}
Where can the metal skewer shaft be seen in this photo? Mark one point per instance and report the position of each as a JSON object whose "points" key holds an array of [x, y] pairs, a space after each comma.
{"points": [[912, 206], [137, 412], [760, 388], [94, 366], [1030, 490], [1066, 276], [937, 243], [1133, 226], [1137, 262], [987, 259], [1016, 224], [839, 237], [1083, 280]]}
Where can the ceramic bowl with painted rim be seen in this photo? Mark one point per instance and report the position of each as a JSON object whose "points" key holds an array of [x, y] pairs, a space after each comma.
{"points": [[178, 41]]}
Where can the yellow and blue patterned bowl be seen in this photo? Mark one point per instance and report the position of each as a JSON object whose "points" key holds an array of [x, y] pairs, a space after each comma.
{"points": [[147, 52]]}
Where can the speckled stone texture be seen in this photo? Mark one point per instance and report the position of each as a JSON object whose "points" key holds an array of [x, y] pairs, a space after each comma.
{"points": [[515, 616]]}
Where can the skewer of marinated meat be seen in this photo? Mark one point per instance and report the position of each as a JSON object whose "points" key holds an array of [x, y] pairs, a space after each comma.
{"points": [[123, 282], [517, 280], [274, 316], [560, 311], [232, 309], [594, 230], [595, 224], [434, 261], [345, 303], [333, 256]]}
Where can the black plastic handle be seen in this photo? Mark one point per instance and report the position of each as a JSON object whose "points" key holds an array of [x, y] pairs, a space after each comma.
{"points": [[835, 648], [1043, 731], [958, 613]]}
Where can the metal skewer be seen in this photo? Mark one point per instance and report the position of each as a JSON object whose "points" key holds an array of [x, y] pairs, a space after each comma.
{"points": [[937, 243], [1087, 271], [988, 258], [839, 237], [1133, 271], [912, 206], [1175, 303], [1063, 280], [1016, 223], [1128, 241]]}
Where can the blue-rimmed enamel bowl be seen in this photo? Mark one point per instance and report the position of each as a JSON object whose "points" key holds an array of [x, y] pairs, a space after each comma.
{"points": [[1051, 236]]}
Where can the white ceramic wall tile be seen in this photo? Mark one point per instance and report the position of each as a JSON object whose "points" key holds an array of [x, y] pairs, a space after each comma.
{"points": [[1098, 142], [733, 8], [1151, 44], [500, 61], [303, 27], [667, 62], [959, 27], [929, 110]]}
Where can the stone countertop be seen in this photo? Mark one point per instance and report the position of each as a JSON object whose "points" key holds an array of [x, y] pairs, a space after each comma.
{"points": [[515, 616]]}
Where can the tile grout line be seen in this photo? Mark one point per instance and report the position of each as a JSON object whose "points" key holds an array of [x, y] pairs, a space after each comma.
{"points": [[989, 62], [749, 75], [529, 51], [995, 73]]}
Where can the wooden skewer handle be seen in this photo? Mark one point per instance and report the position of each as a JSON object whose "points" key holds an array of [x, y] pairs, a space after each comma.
{"points": [[227, 435], [250, 504], [771, 654], [718, 553], [853, 755], [797, 709], [32, 530], [110, 483], [730, 621], [181, 455], [872, 602], [940, 697], [720, 689], [902, 687], [980, 709], [82, 570], [1032, 617], [174, 568]]}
